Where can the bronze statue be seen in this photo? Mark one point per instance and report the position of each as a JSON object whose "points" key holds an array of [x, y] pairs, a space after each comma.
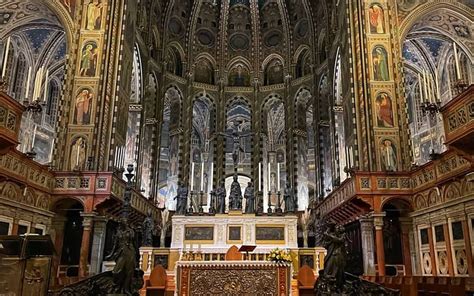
{"points": [[124, 255], [236, 138], [289, 197], [335, 260], [221, 194], [182, 199], [148, 230], [235, 197], [250, 199]]}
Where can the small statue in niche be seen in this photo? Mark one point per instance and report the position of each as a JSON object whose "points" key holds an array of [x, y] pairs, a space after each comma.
{"points": [[148, 230], [182, 199], [124, 254], [289, 197], [221, 194], [235, 196], [249, 199]]}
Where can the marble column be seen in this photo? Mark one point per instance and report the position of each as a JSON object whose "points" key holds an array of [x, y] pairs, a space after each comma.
{"points": [[406, 226], [367, 238], [379, 244], [98, 244], [85, 245]]}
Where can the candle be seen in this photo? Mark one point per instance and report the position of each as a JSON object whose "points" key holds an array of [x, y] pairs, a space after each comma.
{"points": [[259, 176], [456, 59], [425, 87], [212, 173], [202, 176], [422, 99], [438, 91], [46, 87], [5, 57], [278, 177], [269, 179], [34, 137], [430, 94], [28, 81], [192, 176], [51, 153]]}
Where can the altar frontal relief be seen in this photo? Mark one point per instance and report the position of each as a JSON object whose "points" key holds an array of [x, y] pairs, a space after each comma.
{"points": [[270, 234], [199, 233]]}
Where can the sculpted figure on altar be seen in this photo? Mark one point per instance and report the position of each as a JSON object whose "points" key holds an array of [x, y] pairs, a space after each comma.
{"points": [[289, 197], [221, 194], [182, 199], [235, 197], [249, 199]]}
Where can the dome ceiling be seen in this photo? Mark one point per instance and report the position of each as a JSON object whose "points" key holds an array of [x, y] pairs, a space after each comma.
{"points": [[237, 37]]}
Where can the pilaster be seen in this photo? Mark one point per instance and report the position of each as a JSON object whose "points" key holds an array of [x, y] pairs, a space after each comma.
{"points": [[98, 244], [379, 244], [367, 238]]}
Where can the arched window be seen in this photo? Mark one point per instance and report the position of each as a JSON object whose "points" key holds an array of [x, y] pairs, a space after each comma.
{"points": [[19, 79]]}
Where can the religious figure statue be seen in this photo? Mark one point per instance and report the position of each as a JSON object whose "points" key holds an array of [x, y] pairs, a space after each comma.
{"points": [[124, 255], [83, 104], [148, 229], [235, 197], [182, 199], [249, 199], [335, 260], [94, 13], [236, 138], [289, 197], [389, 156], [78, 154], [221, 194]]}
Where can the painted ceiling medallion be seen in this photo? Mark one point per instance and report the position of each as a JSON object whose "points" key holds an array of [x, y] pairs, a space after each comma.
{"points": [[205, 37], [240, 42], [175, 27], [273, 38], [302, 28]]}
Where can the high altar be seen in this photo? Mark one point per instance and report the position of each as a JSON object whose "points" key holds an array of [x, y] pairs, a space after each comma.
{"points": [[216, 234]]}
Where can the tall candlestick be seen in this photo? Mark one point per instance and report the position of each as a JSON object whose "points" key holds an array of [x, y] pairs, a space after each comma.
{"points": [[456, 59], [420, 84], [28, 81], [269, 178], [438, 91], [212, 174], [202, 176], [51, 153], [259, 176], [192, 176], [34, 137], [5, 57], [278, 177], [425, 86], [46, 87], [430, 90]]}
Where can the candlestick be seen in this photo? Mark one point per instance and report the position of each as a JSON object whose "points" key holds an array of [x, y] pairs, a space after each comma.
{"points": [[212, 174], [425, 89], [430, 94], [5, 57], [438, 91], [278, 176], [422, 98], [269, 178], [28, 81], [45, 97], [192, 176], [259, 176], [456, 59], [202, 176], [34, 137]]}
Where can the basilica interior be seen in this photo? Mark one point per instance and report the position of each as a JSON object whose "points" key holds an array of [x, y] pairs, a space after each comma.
{"points": [[213, 125]]}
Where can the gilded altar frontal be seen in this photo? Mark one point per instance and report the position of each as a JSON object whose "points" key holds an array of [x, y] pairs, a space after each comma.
{"points": [[236, 147]]}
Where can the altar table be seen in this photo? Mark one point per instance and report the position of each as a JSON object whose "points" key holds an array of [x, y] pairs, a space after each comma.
{"points": [[244, 278]]}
